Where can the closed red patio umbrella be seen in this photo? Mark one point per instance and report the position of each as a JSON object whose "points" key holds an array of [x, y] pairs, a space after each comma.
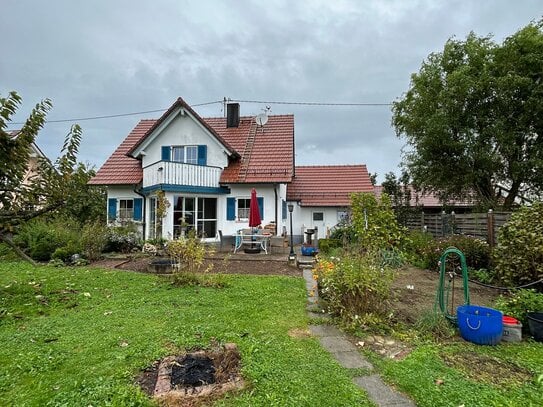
{"points": [[254, 211]]}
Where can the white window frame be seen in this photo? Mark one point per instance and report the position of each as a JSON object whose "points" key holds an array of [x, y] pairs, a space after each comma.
{"points": [[242, 214], [185, 154], [124, 211]]}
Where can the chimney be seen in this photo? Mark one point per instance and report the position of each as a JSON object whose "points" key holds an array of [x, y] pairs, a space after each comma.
{"points": [[232, 115]]}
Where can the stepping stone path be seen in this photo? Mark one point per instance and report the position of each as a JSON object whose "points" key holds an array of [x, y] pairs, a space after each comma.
{"points": [[347, 355]]}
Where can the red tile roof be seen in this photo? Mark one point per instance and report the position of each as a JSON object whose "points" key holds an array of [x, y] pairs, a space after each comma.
{"points": [[428, 199], [120, 169], [267, 152], [328, 185]]}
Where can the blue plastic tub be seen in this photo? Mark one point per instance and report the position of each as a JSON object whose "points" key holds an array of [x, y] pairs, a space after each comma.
{"points": [[480, 325]]}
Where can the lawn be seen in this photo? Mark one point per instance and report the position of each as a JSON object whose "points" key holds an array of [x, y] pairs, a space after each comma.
{"points": [[79, 336]]}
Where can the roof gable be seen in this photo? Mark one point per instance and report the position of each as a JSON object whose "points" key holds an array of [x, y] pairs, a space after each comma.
{"points": [[329, 185], [180, 107]]}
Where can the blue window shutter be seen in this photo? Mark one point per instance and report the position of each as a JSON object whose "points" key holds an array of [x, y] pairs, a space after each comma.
{"points": [[138, 209], [230, 208], [166, 153], [284, 205], [261, 206], [202, 155], [112, 209]]}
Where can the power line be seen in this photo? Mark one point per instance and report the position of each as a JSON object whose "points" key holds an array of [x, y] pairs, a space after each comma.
{"points": [[309, 103], [112, 116]]}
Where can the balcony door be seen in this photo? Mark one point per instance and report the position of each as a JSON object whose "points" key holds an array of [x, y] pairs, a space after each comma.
{"points": [[193, 213]]}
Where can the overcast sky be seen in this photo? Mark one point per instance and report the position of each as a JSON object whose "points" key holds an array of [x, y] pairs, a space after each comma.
{"points": [[105, 57]]}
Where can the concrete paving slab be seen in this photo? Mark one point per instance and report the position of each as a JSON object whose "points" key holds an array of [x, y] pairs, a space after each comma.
{"points": [[380, 393], [325, 330], [335, 344], [352, 360]]}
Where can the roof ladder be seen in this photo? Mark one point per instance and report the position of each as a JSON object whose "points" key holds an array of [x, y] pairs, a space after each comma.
{"points": [[247, 152]]}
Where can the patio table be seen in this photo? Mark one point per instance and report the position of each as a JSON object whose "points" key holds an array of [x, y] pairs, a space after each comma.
{"points": [[252, 239]]}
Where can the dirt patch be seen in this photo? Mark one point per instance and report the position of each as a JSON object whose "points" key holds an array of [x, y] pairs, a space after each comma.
{"points": [[487, 369], [299, 333], [414, 293], [221, 265], [194, 378]]}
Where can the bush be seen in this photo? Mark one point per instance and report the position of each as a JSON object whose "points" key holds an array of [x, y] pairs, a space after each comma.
{"points": [[94, 238], [41, 237], [375, 223], [122, 239], [326, 245], [344, 232], [519, 255], [415, 246], [435, 325], [355, 288], [64, 253], [188, 255], [519, 302], [476, 251]]}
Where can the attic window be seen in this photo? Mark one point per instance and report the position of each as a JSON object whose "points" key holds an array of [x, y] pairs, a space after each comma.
{"points": [[185, 154]]}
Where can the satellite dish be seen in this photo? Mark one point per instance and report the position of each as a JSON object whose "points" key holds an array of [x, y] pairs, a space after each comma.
{"points": [[261, 119]]}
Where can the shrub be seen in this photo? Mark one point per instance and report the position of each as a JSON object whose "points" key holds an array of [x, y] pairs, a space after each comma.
{"points": [[476, 251], [355, 288], [519, 302], [42, 237], [188, 255], [94, 238], [375, 222], [519, 255], [64, 253], [344, 232], [435, 325], [122, 239], [415, 246], [326, 245]]}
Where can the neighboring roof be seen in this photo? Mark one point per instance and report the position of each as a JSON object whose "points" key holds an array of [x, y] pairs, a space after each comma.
{"points": [[329, 185], [119, 168], [258, 154], [180, 103], [37, 150], [428, 199]]}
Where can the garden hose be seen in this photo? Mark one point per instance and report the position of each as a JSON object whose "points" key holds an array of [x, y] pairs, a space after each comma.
{"points": [[442, 298]]}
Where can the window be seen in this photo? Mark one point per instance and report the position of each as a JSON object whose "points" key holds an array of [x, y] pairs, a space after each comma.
{"points": [[243, 208], [342, 216], [185, 154], [126, 209], [199, 214], [318, 216], [152, 218]]}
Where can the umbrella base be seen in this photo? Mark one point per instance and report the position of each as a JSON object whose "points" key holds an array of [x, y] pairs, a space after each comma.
{"points": [[252, 250]]}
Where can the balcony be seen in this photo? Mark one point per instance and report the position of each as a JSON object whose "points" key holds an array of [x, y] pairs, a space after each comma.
{"points": [[174, 173]]}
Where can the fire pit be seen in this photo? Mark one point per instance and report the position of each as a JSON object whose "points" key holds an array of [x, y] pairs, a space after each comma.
{"points": [[177, 379]]}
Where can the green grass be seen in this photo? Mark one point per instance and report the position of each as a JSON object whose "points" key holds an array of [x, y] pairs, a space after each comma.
{"points": [[79, 336], [417, 374]]}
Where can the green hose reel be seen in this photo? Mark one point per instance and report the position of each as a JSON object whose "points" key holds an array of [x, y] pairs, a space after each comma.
{"points": [[445, 291]]}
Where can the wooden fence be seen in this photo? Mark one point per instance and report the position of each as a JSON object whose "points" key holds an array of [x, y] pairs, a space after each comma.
{"points": [[481, 225]]}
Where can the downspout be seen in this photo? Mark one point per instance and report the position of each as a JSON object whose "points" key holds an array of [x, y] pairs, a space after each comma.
{"points": [[144, 213], [276, 208]]}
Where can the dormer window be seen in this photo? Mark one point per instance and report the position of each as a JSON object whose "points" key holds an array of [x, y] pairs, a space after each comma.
{"points": [[185, 154]]}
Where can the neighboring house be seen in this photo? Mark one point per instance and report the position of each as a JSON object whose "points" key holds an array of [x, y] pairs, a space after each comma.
{"points": [[206, 168], [322, 195], [33, 160], [429, 202]]}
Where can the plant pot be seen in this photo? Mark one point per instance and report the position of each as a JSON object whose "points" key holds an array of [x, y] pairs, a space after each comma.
{"points": [[535, 322]]}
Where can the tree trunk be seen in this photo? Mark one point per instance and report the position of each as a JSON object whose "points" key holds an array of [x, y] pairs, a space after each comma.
{"points": [[510, 198], [22, 255]]}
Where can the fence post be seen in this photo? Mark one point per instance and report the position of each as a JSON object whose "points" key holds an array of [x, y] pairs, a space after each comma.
{"points": [[443, 224], [422, 225], [452, 223], [490, 238]]}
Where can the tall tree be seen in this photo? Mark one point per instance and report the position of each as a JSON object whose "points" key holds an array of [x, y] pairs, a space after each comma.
{"points": [[49, 189], [472, 118]]}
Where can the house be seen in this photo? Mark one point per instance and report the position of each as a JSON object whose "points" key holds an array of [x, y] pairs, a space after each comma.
{"points": [[33, 161], [322, 195], [429, 202], [206, 168]]}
